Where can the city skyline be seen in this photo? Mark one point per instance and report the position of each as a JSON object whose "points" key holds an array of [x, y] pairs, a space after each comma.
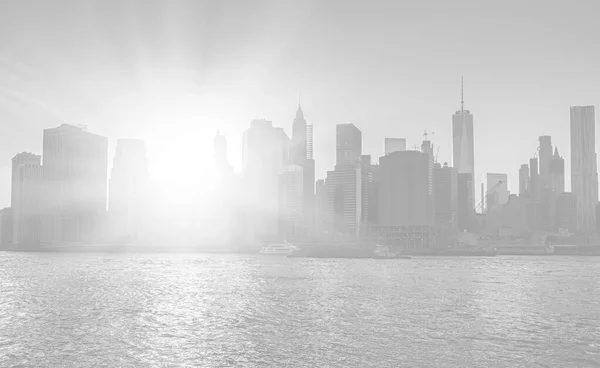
{"points": [[205, 86]]}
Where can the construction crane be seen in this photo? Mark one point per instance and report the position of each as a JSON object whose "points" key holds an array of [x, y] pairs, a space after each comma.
{"points": [[481, 204]]}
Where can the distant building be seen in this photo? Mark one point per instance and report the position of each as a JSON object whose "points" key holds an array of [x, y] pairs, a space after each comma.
{"points": [[265, 156], [524, 180], [463, 154], [321, 215], [394, 145], [128, 190], [6, 228], [404, 195], [497, 190], [292, 203], [584, 169], [344, 200], [75, 185], [557, 173], [534, 184], [348, 145], [545, 159], [446, 195], [466, 212], [26, 197], [566, 212]]}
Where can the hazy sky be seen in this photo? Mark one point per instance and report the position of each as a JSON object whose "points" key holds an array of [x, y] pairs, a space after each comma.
{"points": [[174, 72]]}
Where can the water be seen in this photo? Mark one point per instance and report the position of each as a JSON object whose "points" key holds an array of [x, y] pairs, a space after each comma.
{"points": [[193, 310]]}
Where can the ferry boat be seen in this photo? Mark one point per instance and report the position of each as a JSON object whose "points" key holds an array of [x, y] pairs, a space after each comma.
{"points": [[278, 249]]}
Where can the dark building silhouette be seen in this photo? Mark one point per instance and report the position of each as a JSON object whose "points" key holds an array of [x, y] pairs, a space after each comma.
{"points": [[26, 197], [75, 185], [129, 191], [446, 195], [404, 194], [466, 213], [524, 180]]}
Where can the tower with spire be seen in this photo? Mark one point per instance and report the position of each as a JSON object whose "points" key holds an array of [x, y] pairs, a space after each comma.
{"points": [[463, 150]]}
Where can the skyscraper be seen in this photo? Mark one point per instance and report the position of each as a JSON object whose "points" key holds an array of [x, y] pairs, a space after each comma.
{"points": [[404, 189], [75, 180], [544, 160], [463, 151], [466, 202], [128, 190], [265, 155], [446, 195], [534, 182], [220, 155], [584, 172], [348, 145], [557, 173], [292, 203], [524, 180], [26, 200]]}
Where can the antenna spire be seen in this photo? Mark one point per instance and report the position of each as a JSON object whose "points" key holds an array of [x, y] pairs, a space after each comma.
{"points": [[462, 99]]}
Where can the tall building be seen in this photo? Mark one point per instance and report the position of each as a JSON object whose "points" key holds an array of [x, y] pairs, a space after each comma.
{"points": [[545, 159], [26, 196], [466, 202], [348, 145], [321, 214], [497, 190], [584, 171], [394, 145], [292, 203], [534, 182], [6, 228], [566, 212], [220, 156], [463, 151], [524, 180], [128, 190], [404, 195], [265, 156], [446, 195], [75, 185], [302, 155], [557, 173]]}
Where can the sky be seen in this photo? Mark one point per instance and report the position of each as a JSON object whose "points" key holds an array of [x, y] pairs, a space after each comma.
{"points": [[175, 72]]}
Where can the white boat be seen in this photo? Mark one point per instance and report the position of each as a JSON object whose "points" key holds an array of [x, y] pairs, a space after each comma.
{"points": [[278, 249]]}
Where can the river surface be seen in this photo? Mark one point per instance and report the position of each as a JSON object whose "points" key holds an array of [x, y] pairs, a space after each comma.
{"points": [[194, 310]]}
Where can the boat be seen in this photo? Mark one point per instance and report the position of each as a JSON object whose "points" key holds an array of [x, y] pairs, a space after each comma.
{"points": [[278, 249]]}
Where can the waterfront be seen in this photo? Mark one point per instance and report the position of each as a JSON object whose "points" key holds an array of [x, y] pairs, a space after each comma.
{"points": [[225, 310]]}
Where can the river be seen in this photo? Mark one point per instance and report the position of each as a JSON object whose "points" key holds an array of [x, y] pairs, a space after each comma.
{"points": [[195, 310]]}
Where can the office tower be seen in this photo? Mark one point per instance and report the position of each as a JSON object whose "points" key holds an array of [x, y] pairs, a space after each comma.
{"points": [[544, 160], [292, 203], [497, 190], [466, 202], [394, 145], [75, 185], [584, 172], [265, 155], [348, 145], [566, 212], [534, 185], [446, 195], [427, 148], [321, 215], [26, 199], [6, 228], [404, 195], [302, 155], [463, 152], [128, 191], [557, 173], [524, 180]]}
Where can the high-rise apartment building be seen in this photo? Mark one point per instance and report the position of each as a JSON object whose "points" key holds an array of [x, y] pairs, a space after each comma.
{"points": [[584, 171], [75, 185], [463, 151], [26, 197]]}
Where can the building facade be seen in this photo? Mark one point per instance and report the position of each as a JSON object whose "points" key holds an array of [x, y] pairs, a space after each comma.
{"points": [[26, 197], [584, 172], [446, 195]]}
